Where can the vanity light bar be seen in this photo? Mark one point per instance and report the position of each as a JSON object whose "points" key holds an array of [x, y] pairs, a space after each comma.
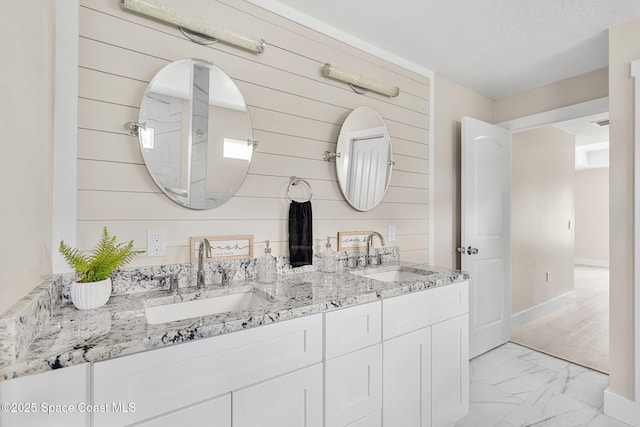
{"points": [[359, 81], [194, 24]]}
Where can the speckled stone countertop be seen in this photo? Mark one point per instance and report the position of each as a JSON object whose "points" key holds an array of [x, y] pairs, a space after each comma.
{"points": [[73, 337]]}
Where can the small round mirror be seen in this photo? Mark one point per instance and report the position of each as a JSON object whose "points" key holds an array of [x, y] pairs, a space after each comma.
{"points": [[195, 133], [365, 161]]}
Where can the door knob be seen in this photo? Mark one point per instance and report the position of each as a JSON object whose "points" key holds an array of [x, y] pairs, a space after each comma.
{"points": [[462, 250], [472, 251]]}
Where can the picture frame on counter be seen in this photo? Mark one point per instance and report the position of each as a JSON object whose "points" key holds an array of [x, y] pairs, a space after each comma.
{"points": [[223, 247], [352, 240]]}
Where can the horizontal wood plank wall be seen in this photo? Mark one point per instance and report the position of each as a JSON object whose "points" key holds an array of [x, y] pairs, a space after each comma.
{"points": [[296, 115]]}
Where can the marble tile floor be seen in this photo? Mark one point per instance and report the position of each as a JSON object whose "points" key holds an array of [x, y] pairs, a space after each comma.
{"points": [[514, 386]]}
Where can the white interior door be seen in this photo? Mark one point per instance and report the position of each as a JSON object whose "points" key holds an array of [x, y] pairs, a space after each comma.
{"points": [[485, 239]]}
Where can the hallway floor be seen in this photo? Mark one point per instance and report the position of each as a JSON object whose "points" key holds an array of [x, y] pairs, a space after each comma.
{"points": [[513, 386], [578, 332]]}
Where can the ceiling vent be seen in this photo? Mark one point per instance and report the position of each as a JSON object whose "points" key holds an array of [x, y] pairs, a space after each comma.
{"points": [[604, 122]]}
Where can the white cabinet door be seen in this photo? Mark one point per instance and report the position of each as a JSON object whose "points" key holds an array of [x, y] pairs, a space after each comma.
{"points": [[450, 370], [212, 413], [406, 380], [31, 399], [353, 386], [292, 400]]}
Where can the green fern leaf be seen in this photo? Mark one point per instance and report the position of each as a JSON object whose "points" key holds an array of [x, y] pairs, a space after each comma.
{"points": [[104, 259]]}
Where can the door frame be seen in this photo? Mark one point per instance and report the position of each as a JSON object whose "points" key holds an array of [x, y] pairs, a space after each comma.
{"points": [[550, 117], [635, 75], [546, 118], [614, 405]]}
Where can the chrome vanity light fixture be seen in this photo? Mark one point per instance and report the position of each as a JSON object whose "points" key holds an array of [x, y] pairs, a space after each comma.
{"points": [[359, 83], [193, 27]]}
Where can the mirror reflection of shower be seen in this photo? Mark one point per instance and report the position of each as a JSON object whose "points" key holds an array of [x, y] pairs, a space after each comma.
{"points": [[195, 134]]}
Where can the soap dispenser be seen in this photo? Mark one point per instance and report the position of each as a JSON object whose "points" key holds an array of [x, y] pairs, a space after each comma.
{"points": [[328, 261], [266, 266]]}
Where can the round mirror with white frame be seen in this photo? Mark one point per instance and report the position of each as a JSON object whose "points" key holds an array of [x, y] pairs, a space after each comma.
{"points": [[195, 134], [365, 158]]}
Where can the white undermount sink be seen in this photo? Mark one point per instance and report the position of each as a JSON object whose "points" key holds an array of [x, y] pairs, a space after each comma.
{"points": [[241, 301], [396, 275]]}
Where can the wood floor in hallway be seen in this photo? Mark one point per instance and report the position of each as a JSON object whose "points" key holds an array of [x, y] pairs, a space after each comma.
{"points": [[579, 332]]}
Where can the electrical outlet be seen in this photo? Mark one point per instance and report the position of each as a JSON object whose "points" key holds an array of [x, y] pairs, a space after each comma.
{"points": [[391, 232], [156, 243]]}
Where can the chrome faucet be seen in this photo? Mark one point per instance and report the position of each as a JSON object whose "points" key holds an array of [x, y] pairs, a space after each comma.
{"points": [[203, 250], [367, 261], [173, 281]]}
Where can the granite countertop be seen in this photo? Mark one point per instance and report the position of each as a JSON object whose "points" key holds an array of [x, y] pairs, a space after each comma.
{"points": [[72, 337]]}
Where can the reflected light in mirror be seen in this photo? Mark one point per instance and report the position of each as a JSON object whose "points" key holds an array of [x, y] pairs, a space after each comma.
{"points": [[237, 149], [147, 138]]}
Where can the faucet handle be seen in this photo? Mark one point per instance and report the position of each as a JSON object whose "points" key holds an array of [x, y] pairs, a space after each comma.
{"points": [[225, 277], [173, 280]]}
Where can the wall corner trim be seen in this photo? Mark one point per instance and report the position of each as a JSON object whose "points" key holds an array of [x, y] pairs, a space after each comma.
{"points": [[635, 73], [65, 129]]}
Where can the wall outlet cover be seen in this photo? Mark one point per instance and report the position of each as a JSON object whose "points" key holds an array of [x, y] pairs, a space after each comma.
{"points": [[156, 243], [391, 232]]}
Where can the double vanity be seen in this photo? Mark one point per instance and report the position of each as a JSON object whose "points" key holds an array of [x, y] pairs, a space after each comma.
{"points": [[381, 345]]}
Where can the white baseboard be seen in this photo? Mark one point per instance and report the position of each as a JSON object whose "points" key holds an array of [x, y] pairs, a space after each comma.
{"points": [[540, 310], [592, 262], [621, 408]]}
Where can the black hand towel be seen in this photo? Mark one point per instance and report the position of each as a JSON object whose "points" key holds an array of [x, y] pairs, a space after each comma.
{"points": [[300, 234]]}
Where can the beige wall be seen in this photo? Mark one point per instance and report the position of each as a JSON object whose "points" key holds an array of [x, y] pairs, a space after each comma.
{"points": [[623, 48], [542, 204], [451, 103], [27, 33], [296, 116], [581, 88], [592, 215]]}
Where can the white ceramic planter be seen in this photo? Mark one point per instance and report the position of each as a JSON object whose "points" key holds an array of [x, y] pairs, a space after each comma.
{"points": [[90, 295]]}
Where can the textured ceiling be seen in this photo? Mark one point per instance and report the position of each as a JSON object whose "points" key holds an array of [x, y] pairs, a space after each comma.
{"points": [[495, 47]]}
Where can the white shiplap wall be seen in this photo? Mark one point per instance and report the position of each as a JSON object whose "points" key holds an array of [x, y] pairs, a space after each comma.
{"points": [[296, 115]]}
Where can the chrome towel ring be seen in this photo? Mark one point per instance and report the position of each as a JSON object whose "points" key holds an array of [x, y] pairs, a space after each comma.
{"points": [[294, 180]]}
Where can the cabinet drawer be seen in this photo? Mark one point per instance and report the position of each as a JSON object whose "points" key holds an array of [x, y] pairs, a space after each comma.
{"points": [[352, 328], [410, 312], [371, 420], [170, 378], [353, 386], [212, 413]]}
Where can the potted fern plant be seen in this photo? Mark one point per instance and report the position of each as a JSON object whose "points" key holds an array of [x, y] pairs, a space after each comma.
{"points": [[93, 287]]}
